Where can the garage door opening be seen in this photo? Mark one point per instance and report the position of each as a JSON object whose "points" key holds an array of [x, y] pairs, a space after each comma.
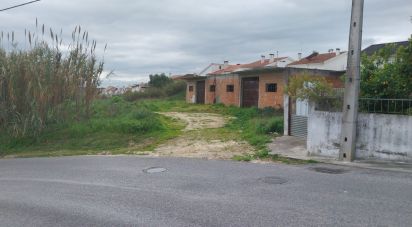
{"points": [[200, 92], [250, 92]]}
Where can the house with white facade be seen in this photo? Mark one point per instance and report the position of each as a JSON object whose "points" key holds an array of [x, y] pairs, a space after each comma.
{"points": [[372, 49], [333, 60], [110, 90], [337, 60]]}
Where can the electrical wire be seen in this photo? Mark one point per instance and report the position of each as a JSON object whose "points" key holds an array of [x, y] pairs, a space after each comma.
{"points": [[23, 4]]}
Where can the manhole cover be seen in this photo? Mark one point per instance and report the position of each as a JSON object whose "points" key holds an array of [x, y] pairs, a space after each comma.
{"points": [[273, 180], [154, 170], [328, 170]]}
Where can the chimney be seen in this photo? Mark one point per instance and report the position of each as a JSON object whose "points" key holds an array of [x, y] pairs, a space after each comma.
{"points": [[225, 64], [263, 58], [272, 58], [337, 51], [299, 56]]}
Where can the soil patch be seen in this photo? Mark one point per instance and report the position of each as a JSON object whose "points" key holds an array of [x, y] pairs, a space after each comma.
{"points": [[191, 146]]}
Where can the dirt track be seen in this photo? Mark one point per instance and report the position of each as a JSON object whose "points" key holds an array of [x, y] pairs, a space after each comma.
{"points": [[191, 144]]}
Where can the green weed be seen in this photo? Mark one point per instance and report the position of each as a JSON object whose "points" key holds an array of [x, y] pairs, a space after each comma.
{"points": [[116, 126]]}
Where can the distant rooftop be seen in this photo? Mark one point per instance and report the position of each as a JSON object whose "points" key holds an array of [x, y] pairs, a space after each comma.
{"points": [[252, 65], [376, 47], [314, 58]]}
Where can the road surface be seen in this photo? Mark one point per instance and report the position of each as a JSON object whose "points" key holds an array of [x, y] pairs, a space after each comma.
{"points": [[116, 191]]}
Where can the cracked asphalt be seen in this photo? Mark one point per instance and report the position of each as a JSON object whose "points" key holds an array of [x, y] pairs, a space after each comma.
{"points": [[115, 191]]}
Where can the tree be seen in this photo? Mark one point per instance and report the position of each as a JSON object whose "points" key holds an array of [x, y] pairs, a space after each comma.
{"points": [[310, 88], [387, 73], [159, 80]]}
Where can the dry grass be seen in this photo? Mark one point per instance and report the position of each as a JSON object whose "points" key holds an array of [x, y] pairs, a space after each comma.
{"points": [[47, 81]]}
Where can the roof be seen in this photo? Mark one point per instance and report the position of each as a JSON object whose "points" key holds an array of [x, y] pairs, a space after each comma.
{"points": [[314, 58], [212, 64], [293, 71], [376, 47], [227, 69], [255, 64], [189, 77], [259, 64], [182, 77]]}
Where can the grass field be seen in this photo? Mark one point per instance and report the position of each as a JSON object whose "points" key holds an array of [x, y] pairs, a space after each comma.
{"points": [[116, 127], [250, 124], [121, 127]]}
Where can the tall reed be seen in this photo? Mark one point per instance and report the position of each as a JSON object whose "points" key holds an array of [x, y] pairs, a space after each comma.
{"points": [[47, 81]]}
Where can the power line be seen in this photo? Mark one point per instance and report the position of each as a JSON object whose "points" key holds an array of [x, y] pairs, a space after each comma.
{"points": [[12, 7]]}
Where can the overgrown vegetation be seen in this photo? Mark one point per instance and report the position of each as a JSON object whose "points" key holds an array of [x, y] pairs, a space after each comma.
{"points": [[118, 126], [159, 80], [41, 82], [161, 86], [115, 127], [388, 73], [256, 126], [385, 76], [48, 106], [311, 88], [316, 90]]}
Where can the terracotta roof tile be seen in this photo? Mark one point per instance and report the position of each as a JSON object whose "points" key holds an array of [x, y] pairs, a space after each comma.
{"points": [[256, 64], [314, 58], [228, 69]]}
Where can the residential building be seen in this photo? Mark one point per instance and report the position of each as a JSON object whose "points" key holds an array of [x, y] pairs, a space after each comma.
{"points": [[372, 49], [110, 90], [333, 60], [257, 84], [138, 87]]}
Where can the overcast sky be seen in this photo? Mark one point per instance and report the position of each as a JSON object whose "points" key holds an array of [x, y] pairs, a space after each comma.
{"points": [[184, 36]]}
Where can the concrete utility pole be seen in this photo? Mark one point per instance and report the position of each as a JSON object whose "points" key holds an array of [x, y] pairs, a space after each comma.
{"points": [[352, 84]]}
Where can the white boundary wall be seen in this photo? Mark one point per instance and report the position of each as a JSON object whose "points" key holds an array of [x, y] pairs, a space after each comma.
{"points": [[379, 136]]}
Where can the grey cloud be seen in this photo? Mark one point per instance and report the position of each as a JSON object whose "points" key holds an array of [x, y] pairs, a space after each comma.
{"points": [[181, 36]]}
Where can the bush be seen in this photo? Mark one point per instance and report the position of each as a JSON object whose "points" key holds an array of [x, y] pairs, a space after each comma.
{"points": [[171, 89], [141, 114], [270, 112], [270, 125], [159, 80], [311, 88]]}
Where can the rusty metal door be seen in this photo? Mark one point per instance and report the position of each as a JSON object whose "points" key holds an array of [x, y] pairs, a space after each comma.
{"points": [[250, 92], [200, 92]]}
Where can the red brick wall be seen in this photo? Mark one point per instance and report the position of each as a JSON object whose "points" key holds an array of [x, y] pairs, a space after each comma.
{"points": [[266, 99], [335, 81], [210, 96], [271, 99], [220, 94]]}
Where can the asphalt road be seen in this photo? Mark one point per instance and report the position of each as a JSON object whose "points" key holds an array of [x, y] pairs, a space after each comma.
{"points": [[115, 191]]}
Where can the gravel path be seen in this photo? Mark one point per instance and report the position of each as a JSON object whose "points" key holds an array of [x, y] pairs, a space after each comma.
{"points": [[192, 145]]}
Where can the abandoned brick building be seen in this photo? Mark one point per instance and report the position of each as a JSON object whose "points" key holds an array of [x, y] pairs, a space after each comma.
{"points": [[258, 84]]}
